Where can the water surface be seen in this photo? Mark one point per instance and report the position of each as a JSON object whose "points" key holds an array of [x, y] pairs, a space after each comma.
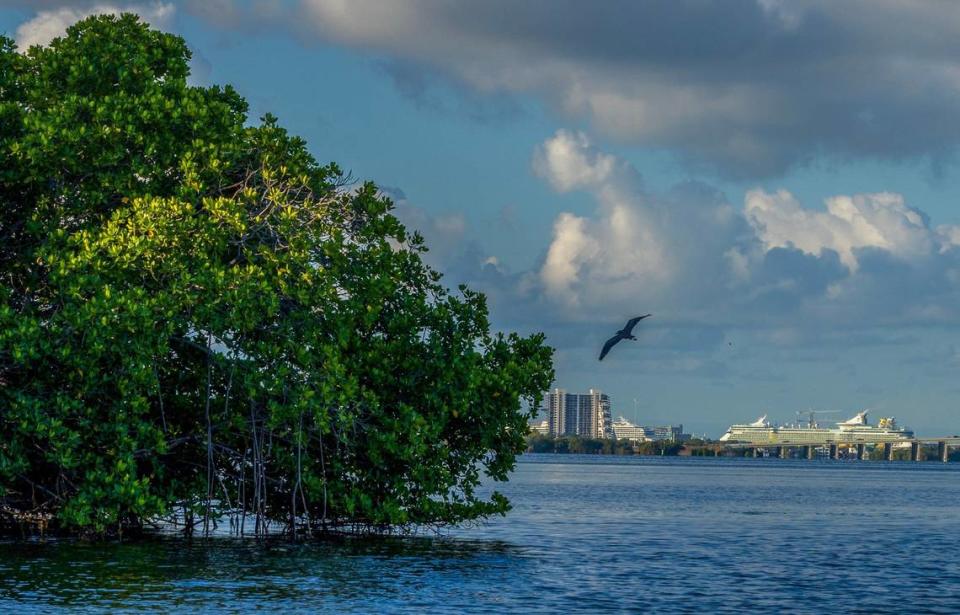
{"points": [[586, 533]]}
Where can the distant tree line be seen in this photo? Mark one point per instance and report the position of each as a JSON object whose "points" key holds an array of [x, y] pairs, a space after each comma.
{"points": [[538, 443], [927, 453]]}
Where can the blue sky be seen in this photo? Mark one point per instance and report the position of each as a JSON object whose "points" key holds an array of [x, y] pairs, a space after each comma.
{"points": [[775, 181]]}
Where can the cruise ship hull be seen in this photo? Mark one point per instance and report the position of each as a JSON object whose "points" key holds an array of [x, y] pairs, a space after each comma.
{"points": [[854, 431]]}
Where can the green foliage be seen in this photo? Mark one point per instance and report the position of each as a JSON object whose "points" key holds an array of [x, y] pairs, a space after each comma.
{"points": [[196, 314], [538, 443], [659, 447]]}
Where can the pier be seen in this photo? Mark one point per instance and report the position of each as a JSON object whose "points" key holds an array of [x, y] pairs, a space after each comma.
{"points": [[835, 450]]}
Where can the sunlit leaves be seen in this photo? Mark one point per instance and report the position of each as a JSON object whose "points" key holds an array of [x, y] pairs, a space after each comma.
{"points": [[193, 309]]}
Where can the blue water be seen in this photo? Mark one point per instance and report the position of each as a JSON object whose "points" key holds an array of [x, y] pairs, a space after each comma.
{"points": [[586, 534]]}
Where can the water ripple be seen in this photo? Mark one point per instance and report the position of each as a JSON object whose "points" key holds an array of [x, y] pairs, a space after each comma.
{"points": [[587, 534]]}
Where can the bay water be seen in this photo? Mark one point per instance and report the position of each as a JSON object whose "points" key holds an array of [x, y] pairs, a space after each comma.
{"points": [[587, 533]]}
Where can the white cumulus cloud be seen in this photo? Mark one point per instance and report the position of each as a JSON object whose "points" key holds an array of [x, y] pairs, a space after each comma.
{"points": [[638, 246], [568, 162], [49, 24], [879, 220], [688, 253]]}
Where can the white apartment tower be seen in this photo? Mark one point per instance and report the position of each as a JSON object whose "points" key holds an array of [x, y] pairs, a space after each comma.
{"points": [[575, 414]]}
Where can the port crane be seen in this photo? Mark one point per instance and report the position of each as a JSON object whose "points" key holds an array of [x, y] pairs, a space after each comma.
{"points": [[812, 414]]}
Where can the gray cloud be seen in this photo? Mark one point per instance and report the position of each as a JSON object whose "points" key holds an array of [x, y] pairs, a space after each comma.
{"points": [[431, 91], [743, 87], [746, 88]]}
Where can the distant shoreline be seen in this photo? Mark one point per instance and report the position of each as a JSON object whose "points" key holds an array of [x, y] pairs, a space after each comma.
{"points": [[575, 445], [597, 446]]}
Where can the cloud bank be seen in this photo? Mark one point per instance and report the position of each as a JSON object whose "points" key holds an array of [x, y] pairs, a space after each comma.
{"points": [[743, 88], [746, 88], [849, 224], [767, 264]]}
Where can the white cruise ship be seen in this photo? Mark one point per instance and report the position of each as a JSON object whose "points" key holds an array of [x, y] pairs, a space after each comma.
{"points": [[854, 430], [625, 430]]}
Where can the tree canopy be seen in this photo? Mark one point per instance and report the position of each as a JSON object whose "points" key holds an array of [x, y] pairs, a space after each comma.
{"points": [[198, 318]]}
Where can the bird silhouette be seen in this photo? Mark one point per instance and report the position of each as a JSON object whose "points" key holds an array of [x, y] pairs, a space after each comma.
{"points": [[626, 333]]}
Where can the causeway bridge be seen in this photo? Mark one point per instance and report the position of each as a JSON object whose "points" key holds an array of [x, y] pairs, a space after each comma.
{"points": [[782, 448]]}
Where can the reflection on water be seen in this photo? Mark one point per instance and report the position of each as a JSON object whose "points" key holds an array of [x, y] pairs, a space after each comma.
{"points": [[586, 533]]}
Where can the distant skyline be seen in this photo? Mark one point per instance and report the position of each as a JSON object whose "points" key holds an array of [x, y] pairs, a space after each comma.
{"points": [[777, 182]]}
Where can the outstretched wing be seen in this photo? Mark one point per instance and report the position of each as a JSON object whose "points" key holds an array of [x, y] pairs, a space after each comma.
{"points": [[610, 344], [633, 323]]}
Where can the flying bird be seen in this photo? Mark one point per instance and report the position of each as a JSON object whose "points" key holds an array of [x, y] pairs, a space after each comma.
{"points": [[626, 333]]}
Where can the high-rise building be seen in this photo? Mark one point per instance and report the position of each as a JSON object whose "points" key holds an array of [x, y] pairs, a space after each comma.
{"points": [[574, 414], [556, 407]]}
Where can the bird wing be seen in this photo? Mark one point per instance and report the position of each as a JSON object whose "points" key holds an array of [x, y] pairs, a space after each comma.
{"points": [[608, 345], [633, 323]]}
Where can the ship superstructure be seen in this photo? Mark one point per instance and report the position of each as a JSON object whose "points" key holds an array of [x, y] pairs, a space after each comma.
{"points": [[854, 430]]}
